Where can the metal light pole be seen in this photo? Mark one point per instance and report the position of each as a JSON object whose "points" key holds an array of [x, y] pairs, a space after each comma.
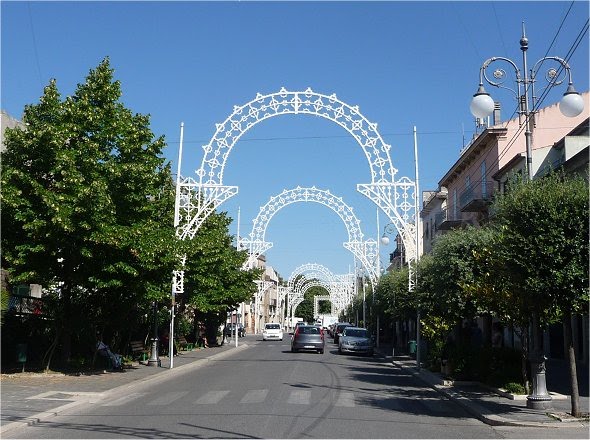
{"points": [[388, 229], [571, 105], [415, 241], [364, 286], [154, 360]]}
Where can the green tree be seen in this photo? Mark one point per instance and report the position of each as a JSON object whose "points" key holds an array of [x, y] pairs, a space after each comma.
{"points": [[305, 308], [544, 250], [392, 298], [494, 287], [445, 276], [87, 205], [214, 280]]}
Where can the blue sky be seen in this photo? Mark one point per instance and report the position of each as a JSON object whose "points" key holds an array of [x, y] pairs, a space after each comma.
{"points": [[404, 64]]}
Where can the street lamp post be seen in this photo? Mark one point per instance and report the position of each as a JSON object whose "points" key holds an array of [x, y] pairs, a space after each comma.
{"points": [[154, 359], [571, 105], [388, 229]]}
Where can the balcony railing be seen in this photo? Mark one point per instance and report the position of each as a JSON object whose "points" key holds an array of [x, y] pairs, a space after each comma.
{"points": [[395, 254], [445, 220], [477, 196]]}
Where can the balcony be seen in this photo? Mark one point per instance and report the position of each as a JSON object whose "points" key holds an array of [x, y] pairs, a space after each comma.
{"points": [[395, 254], [477, 196], [445, 220]]}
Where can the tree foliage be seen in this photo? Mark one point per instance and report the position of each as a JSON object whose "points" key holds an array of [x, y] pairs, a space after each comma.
{"points": [[305, 308], [215, 282], [543, 244], [88, 205], [446, 275]]}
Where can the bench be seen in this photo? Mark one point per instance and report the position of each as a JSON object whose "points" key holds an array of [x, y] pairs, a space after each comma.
{"points": [[138, 350], [184, 344]]}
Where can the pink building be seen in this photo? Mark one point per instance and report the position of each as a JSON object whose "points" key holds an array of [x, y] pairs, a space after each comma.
{"points": [[475, 176], [484, 167]]}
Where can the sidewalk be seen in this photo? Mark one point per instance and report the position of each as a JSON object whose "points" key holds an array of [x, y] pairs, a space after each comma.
{"points": [[27, 398], [489, 406]]}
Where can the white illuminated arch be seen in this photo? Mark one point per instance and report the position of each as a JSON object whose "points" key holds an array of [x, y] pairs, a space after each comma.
{"points": [[364, 251], [197, 198]]}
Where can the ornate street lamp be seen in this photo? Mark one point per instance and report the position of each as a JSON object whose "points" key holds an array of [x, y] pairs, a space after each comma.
{"points": [[571, 105], [482, 104]]}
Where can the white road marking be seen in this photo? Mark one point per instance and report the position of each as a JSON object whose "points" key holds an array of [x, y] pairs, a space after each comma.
{"points": [[300, 397], [345, 399], [168, 398], [125, 399], [254, 396], [211, 397]]}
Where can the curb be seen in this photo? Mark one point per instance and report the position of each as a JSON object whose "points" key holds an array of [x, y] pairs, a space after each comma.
{"points": [[477, 410], [150, 380]]}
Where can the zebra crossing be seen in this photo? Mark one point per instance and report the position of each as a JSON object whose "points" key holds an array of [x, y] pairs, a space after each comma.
{"points": [[343, 399]]}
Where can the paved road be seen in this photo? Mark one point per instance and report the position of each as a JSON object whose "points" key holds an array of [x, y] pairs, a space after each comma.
{"points": [[266, 391]]}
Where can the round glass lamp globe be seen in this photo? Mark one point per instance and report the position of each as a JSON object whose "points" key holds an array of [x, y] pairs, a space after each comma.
{"points": [[482, 105], [384, 240], [571, 105]]}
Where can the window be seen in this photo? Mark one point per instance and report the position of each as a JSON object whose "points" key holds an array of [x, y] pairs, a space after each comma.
{"points": [[355, 333]]}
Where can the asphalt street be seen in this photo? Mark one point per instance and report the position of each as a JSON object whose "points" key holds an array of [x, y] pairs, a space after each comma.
{"points": [[265, 391]]}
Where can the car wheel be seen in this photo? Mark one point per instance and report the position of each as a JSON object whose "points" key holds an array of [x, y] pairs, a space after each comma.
{"points": [[321, 351], [293, 350]]}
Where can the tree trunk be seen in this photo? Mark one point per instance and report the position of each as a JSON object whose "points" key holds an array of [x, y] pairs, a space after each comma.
{"points": [[49, 353], [524, 338], [66, 327], [570, 355]]}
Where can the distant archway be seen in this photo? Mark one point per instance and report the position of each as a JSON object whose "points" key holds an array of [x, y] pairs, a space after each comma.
{"points": [[364, 251]]}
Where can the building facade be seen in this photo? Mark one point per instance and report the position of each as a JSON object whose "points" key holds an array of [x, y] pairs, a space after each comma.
{"points": [[486, 165]]}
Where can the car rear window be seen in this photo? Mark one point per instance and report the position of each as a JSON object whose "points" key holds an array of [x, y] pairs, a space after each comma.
{"points": [[309, 330], [272, 326], [357, 333]]}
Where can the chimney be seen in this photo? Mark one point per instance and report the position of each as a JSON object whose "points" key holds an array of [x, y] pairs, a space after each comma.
{"points": [[496, 114]]}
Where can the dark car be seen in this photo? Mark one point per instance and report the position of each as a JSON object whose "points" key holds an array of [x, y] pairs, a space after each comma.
{"points": [[230, 330], [356, 340], [338, 330], [307, 337]]}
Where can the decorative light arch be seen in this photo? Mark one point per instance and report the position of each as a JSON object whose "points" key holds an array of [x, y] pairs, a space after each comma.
{"points": [[340, 287], [197, 198], [365, 251], [299, 294], [285, 102]]}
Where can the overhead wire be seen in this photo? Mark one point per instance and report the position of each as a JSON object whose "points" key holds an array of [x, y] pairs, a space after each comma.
{"points": [[499, 29], [34, 44]]}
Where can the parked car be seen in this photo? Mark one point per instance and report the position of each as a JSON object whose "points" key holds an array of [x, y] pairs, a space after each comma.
{"points": [[356, 340], [230, 330], [307, 337], [339, 329], [272, 331]]}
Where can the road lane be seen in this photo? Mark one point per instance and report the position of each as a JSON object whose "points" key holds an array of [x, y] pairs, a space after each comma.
{"points": [[268, 392]]}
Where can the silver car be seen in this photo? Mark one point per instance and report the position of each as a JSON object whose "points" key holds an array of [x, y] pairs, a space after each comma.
{"points": [[356, 340], [307, 337]]}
